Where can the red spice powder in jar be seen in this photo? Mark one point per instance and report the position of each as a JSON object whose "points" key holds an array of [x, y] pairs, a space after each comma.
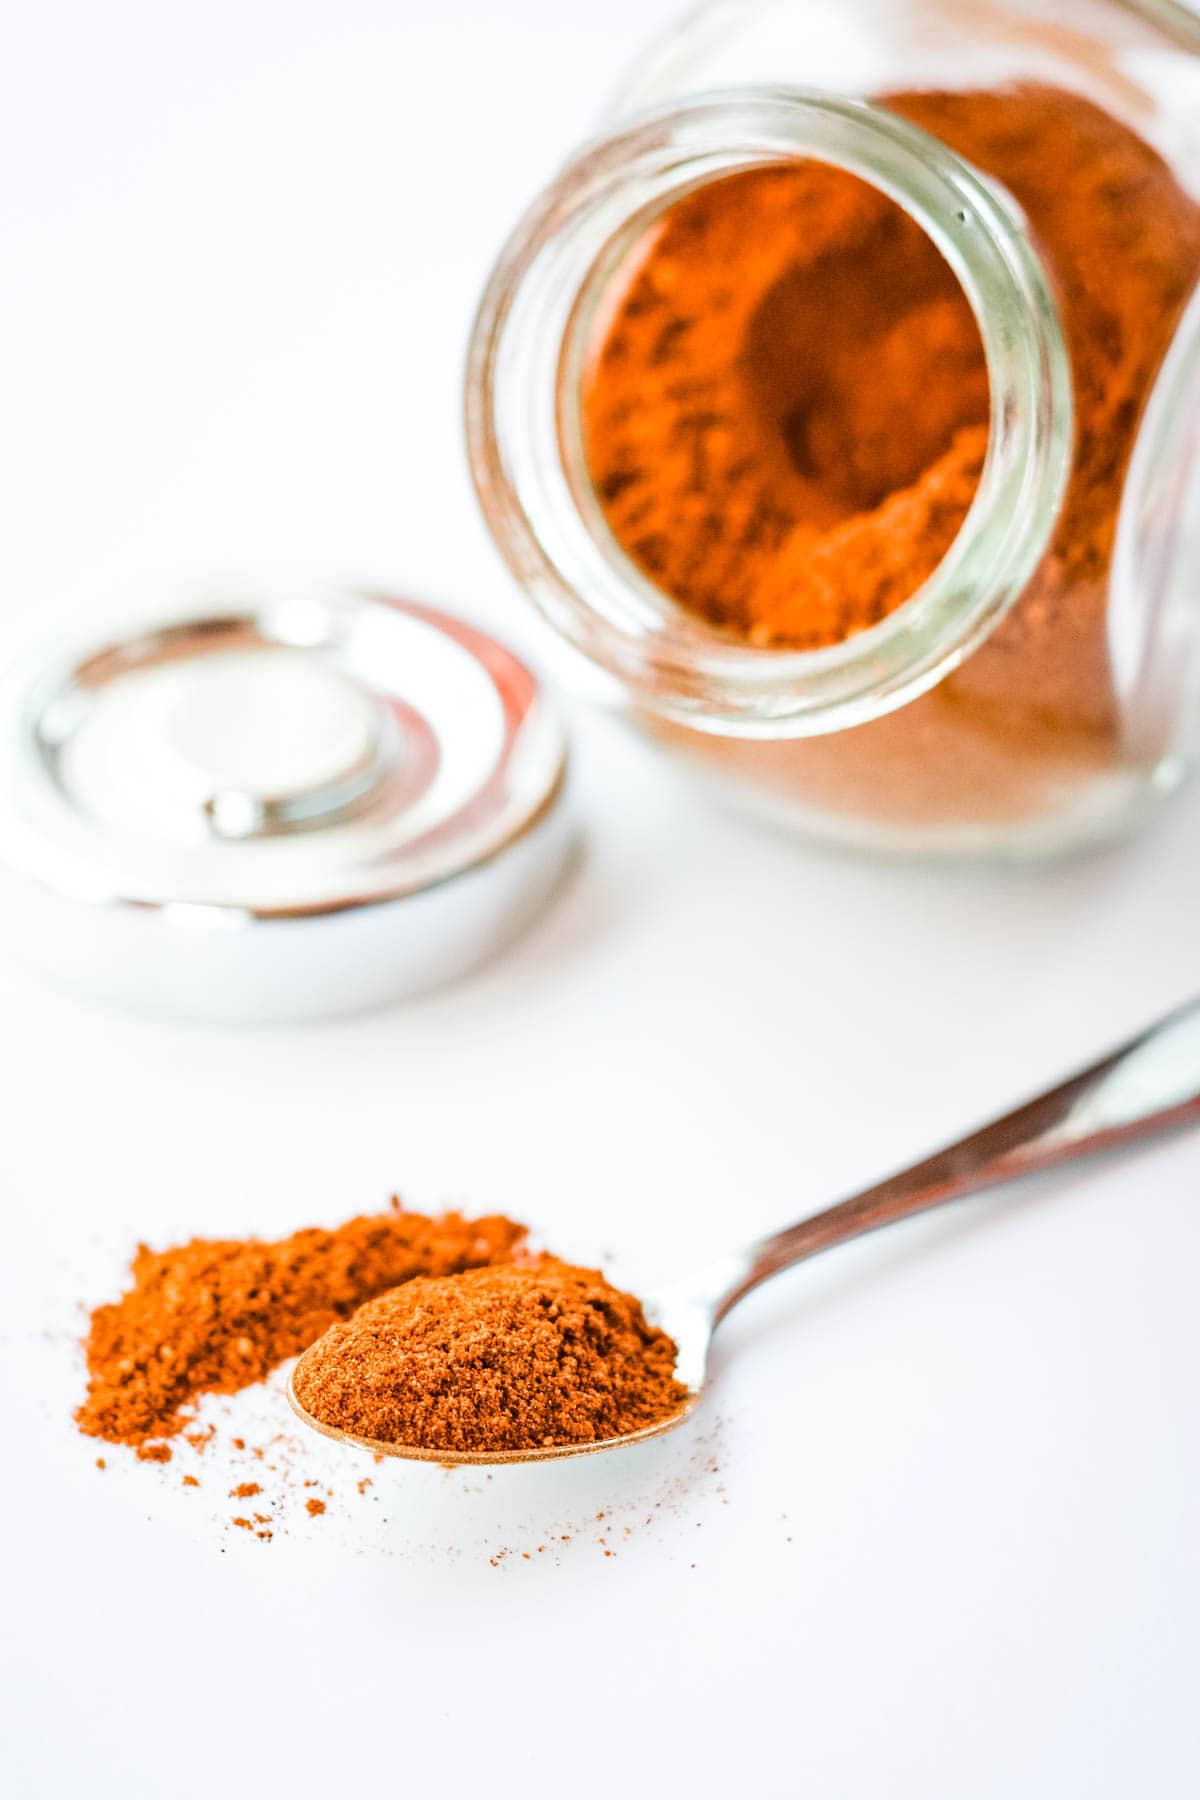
{"points": [[785, 415]]}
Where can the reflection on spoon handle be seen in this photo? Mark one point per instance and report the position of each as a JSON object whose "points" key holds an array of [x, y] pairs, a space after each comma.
{"points": [[1151, 1084]]}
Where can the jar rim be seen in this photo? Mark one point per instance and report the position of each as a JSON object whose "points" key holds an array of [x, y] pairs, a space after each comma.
{"points": [[527, 341]]}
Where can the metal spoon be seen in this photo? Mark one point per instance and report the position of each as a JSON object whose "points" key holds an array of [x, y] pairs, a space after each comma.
{"points": [[1150, 1085]]}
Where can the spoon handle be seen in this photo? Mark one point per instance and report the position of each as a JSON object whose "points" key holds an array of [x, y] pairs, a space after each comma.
{"points": [[1150, 1085]]}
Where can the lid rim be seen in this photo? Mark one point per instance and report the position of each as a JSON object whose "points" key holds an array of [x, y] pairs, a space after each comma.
{"points": [[233, 913]]}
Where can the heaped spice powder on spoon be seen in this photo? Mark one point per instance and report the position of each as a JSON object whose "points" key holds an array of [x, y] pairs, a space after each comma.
{"points": [[524, 1357], [216, 1315]]}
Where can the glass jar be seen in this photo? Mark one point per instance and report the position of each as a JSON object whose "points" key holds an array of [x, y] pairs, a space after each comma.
{"points": [[1041, 686]]}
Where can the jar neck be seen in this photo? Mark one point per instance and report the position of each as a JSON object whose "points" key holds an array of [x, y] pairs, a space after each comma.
{"points": [[524, 380]]}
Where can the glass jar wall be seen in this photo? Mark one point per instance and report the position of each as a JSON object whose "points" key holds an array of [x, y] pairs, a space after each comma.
{"points": [[758, 247]]}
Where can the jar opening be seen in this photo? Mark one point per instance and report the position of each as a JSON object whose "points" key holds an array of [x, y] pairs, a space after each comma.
{"points": [[776, 406], [534, 453]]}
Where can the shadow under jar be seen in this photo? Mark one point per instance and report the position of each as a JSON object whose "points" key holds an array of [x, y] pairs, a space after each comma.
{"points": [[849, 432]]}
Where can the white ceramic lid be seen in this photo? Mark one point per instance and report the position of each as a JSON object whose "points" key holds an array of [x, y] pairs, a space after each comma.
{"points": [[275, 804]]}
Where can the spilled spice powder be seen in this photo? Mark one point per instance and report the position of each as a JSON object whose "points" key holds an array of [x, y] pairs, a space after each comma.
{"points": [[511, 1358], [215, 1315], [314, 1508]]}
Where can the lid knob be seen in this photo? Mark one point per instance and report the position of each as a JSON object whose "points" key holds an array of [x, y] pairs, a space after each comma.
{"points": [[285, 741]]}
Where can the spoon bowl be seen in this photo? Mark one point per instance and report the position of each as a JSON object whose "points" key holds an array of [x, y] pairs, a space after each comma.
{"points": [[1150, 1085], [454, 1458], [685, 1312]]}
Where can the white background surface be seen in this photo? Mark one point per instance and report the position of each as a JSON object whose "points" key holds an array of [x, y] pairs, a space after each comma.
{"points": [[950, 1546]]}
